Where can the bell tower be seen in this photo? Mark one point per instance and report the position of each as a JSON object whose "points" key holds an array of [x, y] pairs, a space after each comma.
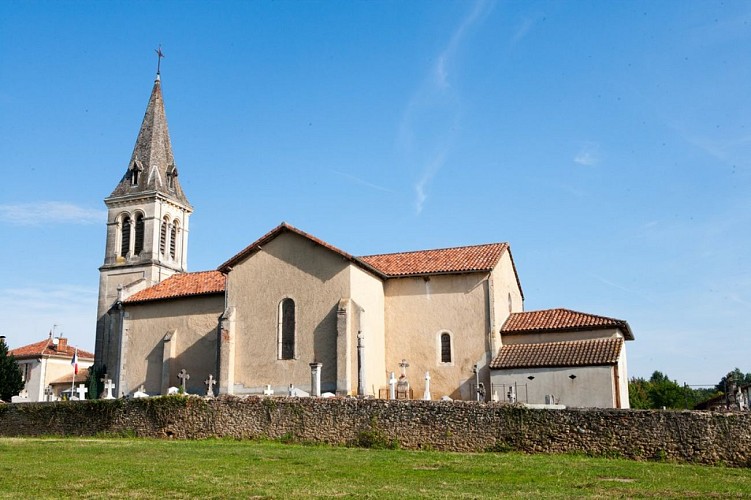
{"points": [[147, 227]]}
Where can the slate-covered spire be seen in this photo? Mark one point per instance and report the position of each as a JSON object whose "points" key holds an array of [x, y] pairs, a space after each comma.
{"points": [[152, 165]]}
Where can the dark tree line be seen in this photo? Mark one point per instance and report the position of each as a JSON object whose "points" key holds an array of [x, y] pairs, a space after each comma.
{"points": [[11, 382], [661, 392]]}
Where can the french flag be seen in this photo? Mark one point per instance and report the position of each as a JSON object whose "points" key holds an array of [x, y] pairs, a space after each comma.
{"points": [[74, 362]]}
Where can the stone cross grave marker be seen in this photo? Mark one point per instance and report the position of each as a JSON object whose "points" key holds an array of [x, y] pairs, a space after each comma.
{"points": [[426, 394], [210, 382], [392, 386], [49, 393], [184, 376], [402, 386], [109, 386], [82, 390]]}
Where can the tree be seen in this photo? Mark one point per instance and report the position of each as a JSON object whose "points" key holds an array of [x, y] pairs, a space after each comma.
{"points": [[737, 377], [11, 382]]}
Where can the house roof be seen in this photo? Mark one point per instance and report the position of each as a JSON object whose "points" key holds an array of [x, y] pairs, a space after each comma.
{"points": [[440, 261], [47, 348], [287, 228], [591, 352], [83, 374], [560, 320], [181, 285]]}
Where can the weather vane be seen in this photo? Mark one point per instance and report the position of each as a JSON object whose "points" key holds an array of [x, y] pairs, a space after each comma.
{"points": [[159, 55]]}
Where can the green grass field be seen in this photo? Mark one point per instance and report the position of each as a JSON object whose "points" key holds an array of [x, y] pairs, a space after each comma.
{"points": [[144, 468]]}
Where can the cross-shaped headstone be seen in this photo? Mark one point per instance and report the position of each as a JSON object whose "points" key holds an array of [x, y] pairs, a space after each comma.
{"points": [[268, 391], [210, 382], [49, 392], [109, 386], [82, 390], [404, 365], [184, 376]]}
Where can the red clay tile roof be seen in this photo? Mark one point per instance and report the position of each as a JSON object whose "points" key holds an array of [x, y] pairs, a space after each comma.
{"points": [[181, 285], [445, 260], [551, 354], [47, 348], [284, 227], [560, 320]]}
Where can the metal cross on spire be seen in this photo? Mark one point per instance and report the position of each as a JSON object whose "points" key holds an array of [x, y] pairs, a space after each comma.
{"points": [[159, 55]]}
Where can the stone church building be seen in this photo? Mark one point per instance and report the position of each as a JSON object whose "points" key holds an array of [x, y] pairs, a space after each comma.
{"points": [[291, 310]]}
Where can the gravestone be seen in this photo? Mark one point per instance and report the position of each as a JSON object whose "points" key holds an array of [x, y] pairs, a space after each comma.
{"points": [[402, 385], [426, 394], [173, 390], [392, 386], [82, 390], [184, 376], [268, 391], [109, 386], [210, 382], [140, 393]]}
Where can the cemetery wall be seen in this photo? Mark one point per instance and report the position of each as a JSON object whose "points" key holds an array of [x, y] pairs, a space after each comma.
{"points": [[686, 436]]}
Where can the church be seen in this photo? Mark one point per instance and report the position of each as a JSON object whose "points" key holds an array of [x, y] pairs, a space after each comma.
{"points": [[293, 314]]}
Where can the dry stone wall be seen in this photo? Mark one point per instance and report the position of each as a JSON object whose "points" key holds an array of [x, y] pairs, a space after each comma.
{"points": [[686, 436]]}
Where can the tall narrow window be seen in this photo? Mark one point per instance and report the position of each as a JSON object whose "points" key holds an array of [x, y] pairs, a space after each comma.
{"points": [[125, 236], [163, 236], [173, 240], [138, 246], [171, 174], [287, 329], [445, 348]]}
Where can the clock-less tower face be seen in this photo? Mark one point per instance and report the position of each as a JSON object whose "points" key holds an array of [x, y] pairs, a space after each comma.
{"points": [[147, 226]]}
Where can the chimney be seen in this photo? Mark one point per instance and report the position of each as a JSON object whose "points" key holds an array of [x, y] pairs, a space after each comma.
{"points": [[62, 344]]}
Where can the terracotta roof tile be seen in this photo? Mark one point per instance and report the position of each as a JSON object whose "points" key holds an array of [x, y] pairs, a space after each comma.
{"points": [[47, 348], [552, 320], [551, 354], [181, 285], [445, 260]]}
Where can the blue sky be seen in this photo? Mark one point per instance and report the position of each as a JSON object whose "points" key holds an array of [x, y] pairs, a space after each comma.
{"points": [[608, 142]]}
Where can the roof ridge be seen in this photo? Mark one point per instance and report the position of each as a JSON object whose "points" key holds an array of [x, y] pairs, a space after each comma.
{"points": [[460, 247]]}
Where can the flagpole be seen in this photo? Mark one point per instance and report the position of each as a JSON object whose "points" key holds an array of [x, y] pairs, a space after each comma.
{"points": [[74, 362]]}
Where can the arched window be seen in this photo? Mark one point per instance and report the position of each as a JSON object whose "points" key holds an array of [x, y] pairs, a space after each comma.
{"points": [[138, 244], [287, 329], [445, 348], [125, 236], [173, 239], [163, 236]]}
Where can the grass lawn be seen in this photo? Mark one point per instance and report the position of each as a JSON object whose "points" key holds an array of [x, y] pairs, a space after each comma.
{"points": [[144, 468]]}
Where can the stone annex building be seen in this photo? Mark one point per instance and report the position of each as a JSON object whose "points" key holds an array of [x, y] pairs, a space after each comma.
{"points": [[290, 308]]}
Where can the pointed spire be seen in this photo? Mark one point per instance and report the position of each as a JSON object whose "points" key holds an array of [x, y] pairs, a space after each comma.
{"points": [[152, 165]]}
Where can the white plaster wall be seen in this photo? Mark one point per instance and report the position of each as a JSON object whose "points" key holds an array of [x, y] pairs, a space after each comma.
{"points": [[593, 386], [194, 319], [316, 279], [418, 310], [623, 378]]}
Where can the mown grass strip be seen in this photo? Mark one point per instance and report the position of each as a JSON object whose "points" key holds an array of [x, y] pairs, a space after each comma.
{"points": [[145, 468]]}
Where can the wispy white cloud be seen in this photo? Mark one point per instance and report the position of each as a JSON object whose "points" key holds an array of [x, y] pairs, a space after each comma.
{"points": [[521, 31], [588, 155], [427, 176], [433, 110], [362, 182], [27, 313], [37, 214]]}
